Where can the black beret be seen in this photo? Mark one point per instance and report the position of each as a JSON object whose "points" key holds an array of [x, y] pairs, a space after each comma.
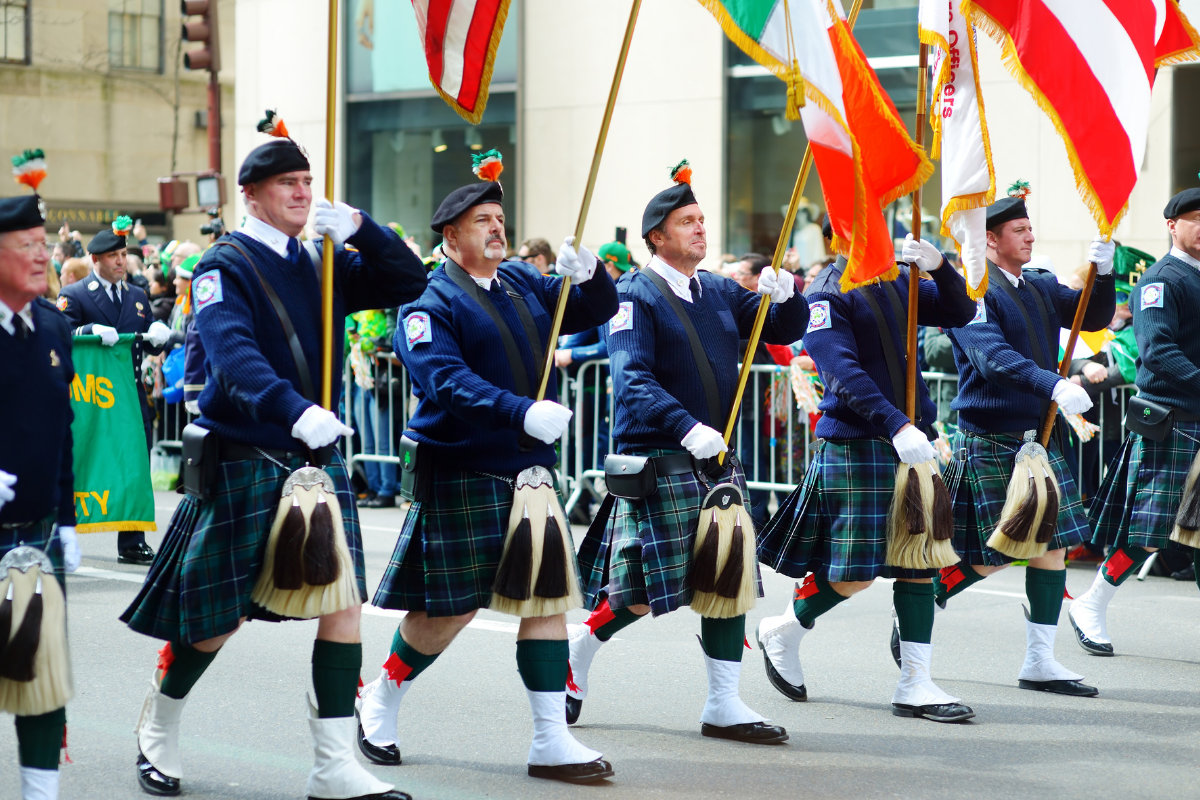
{"points": [[105, 242], [463, 198], [21, 213], [1182, 203], [273, 158], [826, 228], [1004, 209], [663, 204]]}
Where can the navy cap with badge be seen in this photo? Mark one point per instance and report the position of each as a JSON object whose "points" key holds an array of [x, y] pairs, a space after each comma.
{"points": [[1182, 203], [487, 167], [1011, 207], [275, 157], [26, 211], [666, 201], [111, 240]]}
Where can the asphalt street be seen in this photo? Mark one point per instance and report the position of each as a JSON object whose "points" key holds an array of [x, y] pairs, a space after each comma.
{"points": [[465, 725]]}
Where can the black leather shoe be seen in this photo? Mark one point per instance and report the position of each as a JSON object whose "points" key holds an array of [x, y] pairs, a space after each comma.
{"points": [[895, 644], [788, 690], [749, 732], [154, 782], [139, 553], [574, 707], [394, 794], [1095, 648], [381, 501], [1072, 688], [388, 755], [364, 502], [945, 712], [590, 772]]}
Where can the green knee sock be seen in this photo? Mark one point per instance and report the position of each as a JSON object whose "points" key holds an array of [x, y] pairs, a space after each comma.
{"points": [[406, 662], [723, 639], [335, 670], [1122, 562], [954, 580], [543, 664], [182, 665], [1044, 588], [914, 610], [814, 597], [40, 738], [605, 622]]}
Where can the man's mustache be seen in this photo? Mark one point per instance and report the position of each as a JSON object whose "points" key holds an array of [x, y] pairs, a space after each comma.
{"points": [[491, 239]]}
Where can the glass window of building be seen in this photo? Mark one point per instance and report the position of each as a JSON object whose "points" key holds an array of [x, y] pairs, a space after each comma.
{"points": [[135, 34], [14, 31], [765, 148], [405, 148]]}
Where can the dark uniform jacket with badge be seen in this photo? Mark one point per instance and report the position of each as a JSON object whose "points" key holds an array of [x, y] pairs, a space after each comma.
{"points": [[469, 415], [35, 406], [86, 303], [1000, 387], [252, 393], [1166, 320], [657, 391], [844, 340]]}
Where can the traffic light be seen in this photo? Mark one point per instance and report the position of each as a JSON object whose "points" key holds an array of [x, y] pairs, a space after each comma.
{"points": [[202, 30]]}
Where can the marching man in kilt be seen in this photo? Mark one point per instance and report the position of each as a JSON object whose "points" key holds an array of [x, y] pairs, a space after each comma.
{"points": [[833, 528], [37, 500], [1006, 358], [257, 294], [1149, 495], [672, 391], [474, 347]]}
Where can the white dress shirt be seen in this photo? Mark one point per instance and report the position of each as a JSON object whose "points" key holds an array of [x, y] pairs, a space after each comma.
{"points": [[680, 284], [266, 234], [108, 285], [1185, 258], [7, 315]]}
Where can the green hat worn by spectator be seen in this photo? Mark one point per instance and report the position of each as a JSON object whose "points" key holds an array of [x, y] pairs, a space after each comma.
{"points": [[616, 254], [1128, 266], [185, 269]]}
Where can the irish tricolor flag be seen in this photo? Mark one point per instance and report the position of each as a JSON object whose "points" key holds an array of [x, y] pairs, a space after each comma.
{"points": [[862, 150], [461, 37]]}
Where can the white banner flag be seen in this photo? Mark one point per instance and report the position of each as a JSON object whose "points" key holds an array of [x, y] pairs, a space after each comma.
{"points": [[961, 136]]}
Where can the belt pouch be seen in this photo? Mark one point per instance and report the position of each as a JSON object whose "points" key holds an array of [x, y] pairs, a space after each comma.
{"points": [[630, 477], [200, 458], [1150, 419], [413, 479]]}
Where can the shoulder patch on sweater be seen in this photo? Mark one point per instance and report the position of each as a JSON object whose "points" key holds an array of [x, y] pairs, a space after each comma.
{"points": [[623, 319], [818, 316], [1152, 295], [417, 329], [980, 312], [207, 290]]}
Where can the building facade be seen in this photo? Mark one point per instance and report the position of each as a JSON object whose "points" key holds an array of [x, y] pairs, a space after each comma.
{"points": [[687, 93], [95, 83]]}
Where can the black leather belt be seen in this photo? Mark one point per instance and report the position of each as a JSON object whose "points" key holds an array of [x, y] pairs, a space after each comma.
{"points": [[236, 451], [674, 464], [1183, 416]]}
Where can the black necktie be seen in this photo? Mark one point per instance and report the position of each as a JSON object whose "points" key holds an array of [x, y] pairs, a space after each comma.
{"points": [[293, 251], [694, 285], [20, 329], [115, 296]]}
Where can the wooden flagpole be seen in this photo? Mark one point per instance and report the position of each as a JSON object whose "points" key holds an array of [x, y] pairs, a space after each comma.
{"points": [[565, 290], [914, 277], [327, 249], [1084, 298], [785, 236]]}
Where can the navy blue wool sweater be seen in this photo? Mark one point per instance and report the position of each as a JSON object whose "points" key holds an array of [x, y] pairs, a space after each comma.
{"points": [[1165, 305], [1000, 388], [843, 338], [469, 415], [252, 391], [656, 386], [35, 406]]}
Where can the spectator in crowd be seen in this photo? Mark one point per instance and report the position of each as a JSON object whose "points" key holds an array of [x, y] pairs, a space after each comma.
{"points": [[538, 253], [183, 251], [73, 269], [134, 266], [369, 333], [162, 293], [939, 355]]}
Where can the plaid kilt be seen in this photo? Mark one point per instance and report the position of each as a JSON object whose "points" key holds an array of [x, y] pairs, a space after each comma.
{"points": [[652, 541], [42, 535], [978, 477], [1141, 493], [835, 522], [450, 546], [200, 583]]}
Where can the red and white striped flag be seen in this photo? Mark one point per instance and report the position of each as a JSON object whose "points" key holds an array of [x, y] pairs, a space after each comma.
{"points": [[1090, 65], [461, 37]]}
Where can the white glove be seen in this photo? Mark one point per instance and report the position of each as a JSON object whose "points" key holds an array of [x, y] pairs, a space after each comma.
{"points": [[7, 493], [779, 288], [335, 221], [1071, 398], [912, 446], [158, 333], [108, 336], [192, 406], [318, 427], [70, 546], [704, 442], [923, 254], [579, 267], [1101, 253], [546, 420]]}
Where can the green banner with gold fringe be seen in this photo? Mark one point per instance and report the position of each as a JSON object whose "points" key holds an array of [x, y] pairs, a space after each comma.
{"points": [[112, 470]]}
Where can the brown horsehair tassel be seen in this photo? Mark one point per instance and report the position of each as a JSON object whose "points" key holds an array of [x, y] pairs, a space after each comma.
{"points": [[730, 582], [320, 551], [289, 563], [552, 574], [704, 566]]}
